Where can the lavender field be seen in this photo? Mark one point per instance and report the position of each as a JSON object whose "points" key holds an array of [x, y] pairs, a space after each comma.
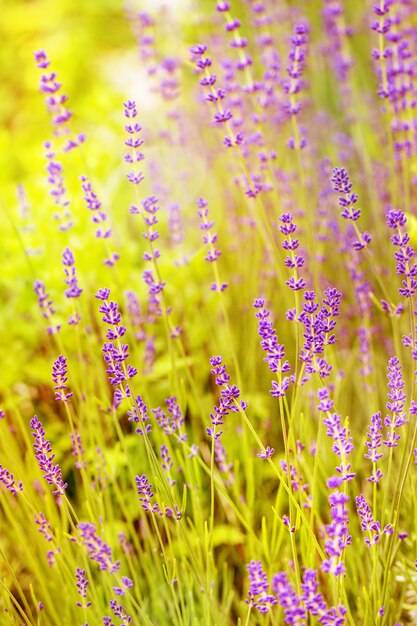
{"points": [[208, 410]]}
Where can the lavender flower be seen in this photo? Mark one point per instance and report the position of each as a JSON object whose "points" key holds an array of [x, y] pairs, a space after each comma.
{"points": [[404, 253], [58, 191], [139, 415], [347, 201], [59, 376], [82, 584], [395, 404], [55, 101], [45, 527], [97, 549], [293, 85], [374, 446], [290, 244], [78, 450], [134, 142], [368, 524], [73, 291], [338, 537], [294, 612], [275, 352], [115, 353], [229, 396], [210, 239], [8, 480], [44, 456], [145, 493], [259, 595]]}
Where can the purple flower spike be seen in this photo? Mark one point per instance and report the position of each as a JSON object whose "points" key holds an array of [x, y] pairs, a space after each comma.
{"points": [[259, 595], [97, 549], [68, 261], [337, 534], [8, 480], [59, 376], [44, 456], [82, 584], [294, 611], [404, 254], [267, 453], [395, 404], [229, 396], [368, 524]]}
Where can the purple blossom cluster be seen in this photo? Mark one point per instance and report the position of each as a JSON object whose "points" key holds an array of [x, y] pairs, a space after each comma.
{"points": [[290, 244], [395, 404], [229, 397], [373, 445], [172, 422], [342, 441], [97, 549], [44, 456], [59, 376], [8, 480], [56, 102], [115, 353], [293, 85], [337, 536], [133, 142], [81, 584], [99, 217], [259, 595], [275, 352], [209, 239], [46, 305], [138, 414], [368, 524], [73, 291], [58, 191], [404, 253], [348, 200]]}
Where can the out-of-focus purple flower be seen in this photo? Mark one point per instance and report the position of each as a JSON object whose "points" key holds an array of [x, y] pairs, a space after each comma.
{"points": [[57, 189], [77, 450], [342, 441], [294, 84], [267, 453], [55, 101], [73, 291], [225, 466], [209, 239], [44, 456], [259, 595], [97, 549], [82, 583], [167, 463], [294, 611], [145, 493], [8, 480], [337, 31], [46, 305], [127, 583], [139, 415], [337, 534], [119, 612], [59, 376], [45, 527]]}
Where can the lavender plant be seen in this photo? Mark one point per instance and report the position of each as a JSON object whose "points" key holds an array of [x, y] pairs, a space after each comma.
{"points": [[142, 479]]}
